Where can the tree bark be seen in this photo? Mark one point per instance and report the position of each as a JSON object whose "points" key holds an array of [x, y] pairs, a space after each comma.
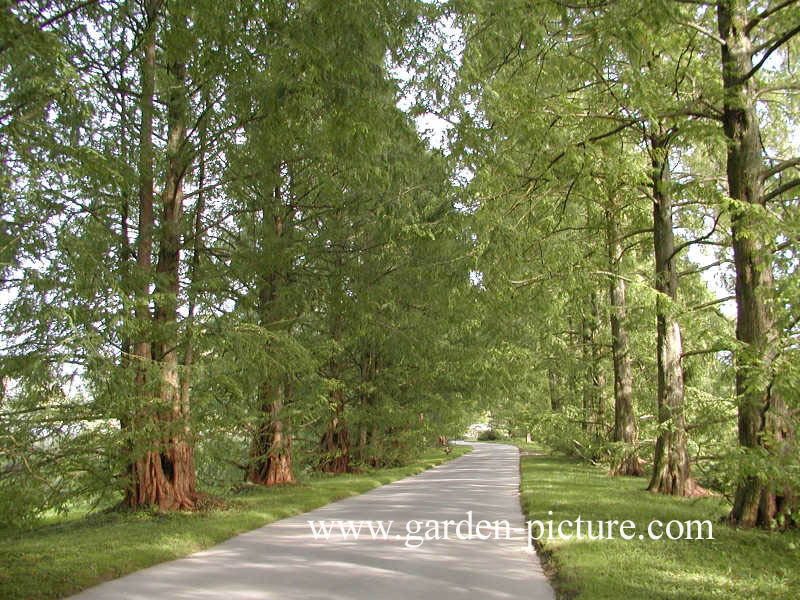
{"points": [[270, 455], [197, 242], [552, 381], [144, 240], [271, 447], [593, 378], [335, 444], [587, 354], [624, 423], [366, 450], [163, 474], [764, 422], [671, 473]]}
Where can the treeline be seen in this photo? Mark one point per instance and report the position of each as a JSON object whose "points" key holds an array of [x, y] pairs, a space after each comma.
{"points": [[225, 252], [627, 158]]}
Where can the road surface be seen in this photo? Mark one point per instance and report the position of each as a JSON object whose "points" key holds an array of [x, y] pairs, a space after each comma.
{"points": [[284, 560]]}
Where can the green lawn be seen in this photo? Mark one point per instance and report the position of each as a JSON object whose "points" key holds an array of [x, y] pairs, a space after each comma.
{"points": [[735, 564], [62, 558]]}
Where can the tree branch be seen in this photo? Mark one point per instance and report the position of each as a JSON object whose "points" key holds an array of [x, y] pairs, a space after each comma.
{"points": [[770, 46], [712, 303], [702, 239], [780, 190], [781, 166], [704, 351], [755, 21], [705, 268], [633, 233], [62, 15], [709, 34], [775, 88], [786, 244]]}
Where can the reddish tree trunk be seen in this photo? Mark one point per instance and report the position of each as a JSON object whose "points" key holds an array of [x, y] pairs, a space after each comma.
{"points": [[163, 478], [163, 474], [334, 445], [270, 455], [271, 446], [144, 241]]}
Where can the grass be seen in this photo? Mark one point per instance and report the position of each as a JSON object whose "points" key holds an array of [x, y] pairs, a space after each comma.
{"points": [[63, 558], [735, 564]]}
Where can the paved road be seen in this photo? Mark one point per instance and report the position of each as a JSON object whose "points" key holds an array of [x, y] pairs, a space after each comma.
{"points": [[284, 561]]}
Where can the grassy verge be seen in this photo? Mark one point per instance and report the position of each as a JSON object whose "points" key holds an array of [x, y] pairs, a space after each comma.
{"points": [[735, 564], [64, 558]]}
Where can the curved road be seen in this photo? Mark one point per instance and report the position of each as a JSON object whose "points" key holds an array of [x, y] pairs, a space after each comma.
{"points": [[284, 560]]}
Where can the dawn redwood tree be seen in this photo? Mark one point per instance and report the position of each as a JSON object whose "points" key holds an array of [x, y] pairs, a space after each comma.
{"points": [[671, 471], [129, 242], [624, 423], [764, 419], [594, 380], [270, 452], [164, 473]]}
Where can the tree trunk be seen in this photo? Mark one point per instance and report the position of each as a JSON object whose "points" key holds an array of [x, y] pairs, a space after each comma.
{"points": [[366, 451], [197, 240], [588, 372], [144, 241], [164, 474], [764, 422], [271, 447], [270, 455], [593, 378], [671, 473], [335, 445], [555, 401], [624, 423]]}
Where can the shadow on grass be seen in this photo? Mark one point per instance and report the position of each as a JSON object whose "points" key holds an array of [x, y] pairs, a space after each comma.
{"points": [[735, 564], [62, 558]]}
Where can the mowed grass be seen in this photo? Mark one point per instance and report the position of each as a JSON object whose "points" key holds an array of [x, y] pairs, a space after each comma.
{"points": [[735, 564], [63, 558]]}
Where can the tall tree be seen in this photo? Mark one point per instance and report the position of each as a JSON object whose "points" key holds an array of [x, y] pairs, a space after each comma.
{"points": [[764, 421], [624, 424], [671, 459]]}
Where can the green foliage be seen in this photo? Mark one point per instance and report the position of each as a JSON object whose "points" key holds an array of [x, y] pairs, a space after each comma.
{"points": [[390, 290], [320, 247], [491, 435], [555, 134]]}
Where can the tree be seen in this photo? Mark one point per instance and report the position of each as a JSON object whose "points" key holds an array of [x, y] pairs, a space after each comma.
{"points": [[671, 460], [764, 420]]}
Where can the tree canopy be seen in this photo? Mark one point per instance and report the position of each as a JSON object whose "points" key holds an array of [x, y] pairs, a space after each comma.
{"points": [[229, 252]]}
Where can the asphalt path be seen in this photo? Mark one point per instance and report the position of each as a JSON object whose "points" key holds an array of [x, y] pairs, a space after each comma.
{"points": [[285, 561]]}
